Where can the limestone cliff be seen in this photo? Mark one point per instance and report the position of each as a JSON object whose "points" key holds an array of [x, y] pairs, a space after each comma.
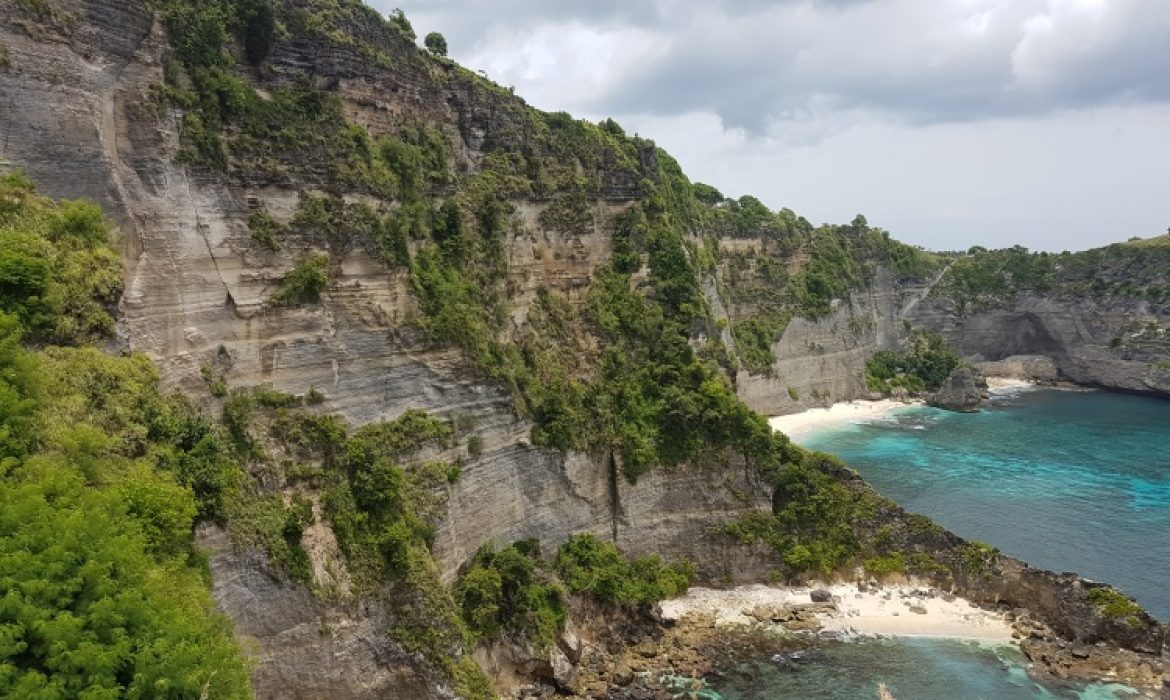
{"points": [[80, 111], [1112, 344]]}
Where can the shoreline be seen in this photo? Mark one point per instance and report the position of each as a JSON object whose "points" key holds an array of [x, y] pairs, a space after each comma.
{"points": [[814, 420], [853, 611]]}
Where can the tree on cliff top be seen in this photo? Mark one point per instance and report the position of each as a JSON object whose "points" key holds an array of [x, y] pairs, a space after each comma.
{"points": [[436, 43]]}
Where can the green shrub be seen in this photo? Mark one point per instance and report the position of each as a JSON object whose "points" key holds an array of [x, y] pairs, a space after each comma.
{"points": [[475, 446], [753, 339], [978, 558], [588, 565], [58, 273], [264, 228], [509, 590], [304, 284], [1114, 603], [892, 563]]}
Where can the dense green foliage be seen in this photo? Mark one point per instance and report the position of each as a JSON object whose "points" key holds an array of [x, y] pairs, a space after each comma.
{"points": [[924, 366], [985, 279], [510, 590], [815, 520], [588, 565], [58, 273], [101, 478]]}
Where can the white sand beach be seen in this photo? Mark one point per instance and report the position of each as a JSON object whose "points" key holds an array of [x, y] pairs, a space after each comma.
{"points": [[796, 425], [895, 610]]}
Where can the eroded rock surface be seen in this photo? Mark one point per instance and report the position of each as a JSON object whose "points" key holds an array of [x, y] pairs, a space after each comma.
{"points": [[963, 390]]}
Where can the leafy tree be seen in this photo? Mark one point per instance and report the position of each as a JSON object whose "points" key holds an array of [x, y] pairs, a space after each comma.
{"points": [[436, 43], [399, 21], [707, 194]]}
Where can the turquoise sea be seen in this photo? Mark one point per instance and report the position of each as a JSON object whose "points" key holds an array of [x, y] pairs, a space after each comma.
{"points": [[911, 669], [1067, 480]]}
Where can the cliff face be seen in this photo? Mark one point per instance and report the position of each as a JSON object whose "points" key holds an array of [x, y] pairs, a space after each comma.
{"points": [[822, 361], [79, 112], [1104, 343]]}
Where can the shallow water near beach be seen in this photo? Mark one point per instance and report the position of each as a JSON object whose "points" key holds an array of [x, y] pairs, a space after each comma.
{"points": [[1066, 480], [911, 668]]}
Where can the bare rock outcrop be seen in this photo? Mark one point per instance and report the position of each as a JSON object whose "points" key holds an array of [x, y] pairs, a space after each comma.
{"points": [[963, 390]]}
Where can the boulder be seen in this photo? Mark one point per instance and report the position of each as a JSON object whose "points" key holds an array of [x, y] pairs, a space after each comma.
{"points": [[963, 391], [821, 595]]}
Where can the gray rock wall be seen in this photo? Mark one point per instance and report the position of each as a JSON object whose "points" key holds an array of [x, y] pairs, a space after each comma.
{"points": [[1105, 343], [821, 362], [74, 113]]}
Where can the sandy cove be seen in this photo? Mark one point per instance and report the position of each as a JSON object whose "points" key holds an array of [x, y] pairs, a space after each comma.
{"points": [[805, 423], [896, 610], [802, 424]]}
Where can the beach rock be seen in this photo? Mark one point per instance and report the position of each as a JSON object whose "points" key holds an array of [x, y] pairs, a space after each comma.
{"points": [[571, 645], [919, 609], [623, 675], [821, 595], [564, 671], [962, 391]]}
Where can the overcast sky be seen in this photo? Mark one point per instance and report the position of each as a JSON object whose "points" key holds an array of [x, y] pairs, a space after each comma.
{"points": [[947, 122]]}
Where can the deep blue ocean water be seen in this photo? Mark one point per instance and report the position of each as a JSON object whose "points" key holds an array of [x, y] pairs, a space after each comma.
{"points": [[1067, 480]]}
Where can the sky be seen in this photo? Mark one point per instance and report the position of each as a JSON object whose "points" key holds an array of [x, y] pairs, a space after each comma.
{"points": [[949, 123]]}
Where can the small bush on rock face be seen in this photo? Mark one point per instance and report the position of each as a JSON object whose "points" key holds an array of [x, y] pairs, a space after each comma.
{"points": [[475, 446], [1114, 604], [304, 284]]}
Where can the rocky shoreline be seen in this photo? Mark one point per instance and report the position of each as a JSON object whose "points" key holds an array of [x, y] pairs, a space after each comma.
{"points": [[683, 643]]}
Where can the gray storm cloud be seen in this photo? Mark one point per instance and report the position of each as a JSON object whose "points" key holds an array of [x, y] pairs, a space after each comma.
{"points": [[754, 62], [950, 122]]}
